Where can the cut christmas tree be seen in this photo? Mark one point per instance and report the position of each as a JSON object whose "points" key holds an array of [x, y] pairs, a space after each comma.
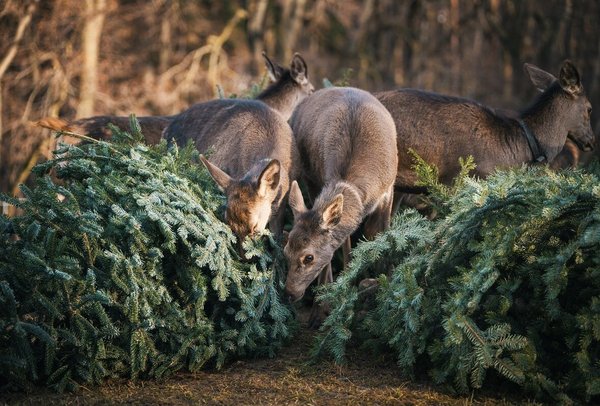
{"points": [[505, 286], [122, 268]]}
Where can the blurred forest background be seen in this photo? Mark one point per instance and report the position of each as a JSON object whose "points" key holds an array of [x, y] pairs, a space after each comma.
{"points": [[77, 58]]}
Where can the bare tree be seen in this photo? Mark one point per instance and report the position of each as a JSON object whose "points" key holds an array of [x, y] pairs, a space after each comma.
{"points": [[256, 27], [24, 21], [92, 30]]}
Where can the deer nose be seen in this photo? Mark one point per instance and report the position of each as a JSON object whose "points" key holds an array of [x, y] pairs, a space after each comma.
{"points": [[291, 297]]}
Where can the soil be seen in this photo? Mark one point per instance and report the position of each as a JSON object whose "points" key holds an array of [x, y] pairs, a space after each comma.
{"points": [[287, 379]]}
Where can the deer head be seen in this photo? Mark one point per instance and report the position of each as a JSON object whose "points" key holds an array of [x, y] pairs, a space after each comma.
{"points": [[313, 239], [250, 198], [289, 87], [575, 105]]}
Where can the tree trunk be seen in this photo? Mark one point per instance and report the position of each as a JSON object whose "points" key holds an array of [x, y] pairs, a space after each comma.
{"points": [[95, 10], [10, 55], [455, 51], [256, 26], [164, 58], [295, 27]]}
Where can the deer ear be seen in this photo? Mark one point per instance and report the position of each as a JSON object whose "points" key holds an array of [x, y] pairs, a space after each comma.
{"points": [[540, 78], [296, 200], [223, 180], [268, 180], [333, 212], [298, 69], [275, 71], [569, 79]]}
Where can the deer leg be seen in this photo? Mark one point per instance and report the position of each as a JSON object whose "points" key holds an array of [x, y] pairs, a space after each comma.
{"points": [[377, 222], [319, 310], [346, 252], [398, 199], [277, 221]]}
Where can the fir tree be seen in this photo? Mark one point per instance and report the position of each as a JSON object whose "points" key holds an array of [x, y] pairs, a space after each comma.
{"points": [[123, 268], [506, 285]]}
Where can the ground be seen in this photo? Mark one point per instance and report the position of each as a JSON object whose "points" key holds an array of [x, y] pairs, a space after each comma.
{"points": [[287, 379]]}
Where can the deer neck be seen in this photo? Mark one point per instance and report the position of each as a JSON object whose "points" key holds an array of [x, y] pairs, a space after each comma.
{"points": [[546, 121], [280, 98]]}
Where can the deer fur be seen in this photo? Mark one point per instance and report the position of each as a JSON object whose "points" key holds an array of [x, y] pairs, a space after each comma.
{"points": [[441, 128], [347, 143], [253, 154]]}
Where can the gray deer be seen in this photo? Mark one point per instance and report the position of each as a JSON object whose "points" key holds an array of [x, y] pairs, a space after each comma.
{"points": [[347, 144], [288, 87], [442, 128], [254, 156]]}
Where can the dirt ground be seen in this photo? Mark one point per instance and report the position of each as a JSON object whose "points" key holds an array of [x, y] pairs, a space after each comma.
{"points": [[285, 380]]}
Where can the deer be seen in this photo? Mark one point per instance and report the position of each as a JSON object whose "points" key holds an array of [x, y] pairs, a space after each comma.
{"points": [[254, 156], [287, 88], [347, 144], [442, 128], [98, 126]]}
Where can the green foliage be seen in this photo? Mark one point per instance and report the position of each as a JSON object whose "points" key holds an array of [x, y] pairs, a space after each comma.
{"points": [[251, 93], [505, 286], [123, 269], [344, 81], [428, 176]]}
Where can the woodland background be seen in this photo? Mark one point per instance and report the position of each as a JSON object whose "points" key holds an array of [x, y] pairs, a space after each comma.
{"points": [[73, 58]]}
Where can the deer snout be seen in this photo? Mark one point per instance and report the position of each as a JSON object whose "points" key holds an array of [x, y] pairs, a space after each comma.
{"points": [[292, 295]]}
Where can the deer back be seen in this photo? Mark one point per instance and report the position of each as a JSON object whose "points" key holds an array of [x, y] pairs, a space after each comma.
{"points": [[346, 134], [97, 126]]}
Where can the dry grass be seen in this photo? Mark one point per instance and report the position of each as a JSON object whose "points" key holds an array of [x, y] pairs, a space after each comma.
{"points": [[284, 380]]}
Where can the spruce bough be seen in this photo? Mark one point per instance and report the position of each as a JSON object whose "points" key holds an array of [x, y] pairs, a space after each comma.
{"points": [[505, 286], [123, 269]]}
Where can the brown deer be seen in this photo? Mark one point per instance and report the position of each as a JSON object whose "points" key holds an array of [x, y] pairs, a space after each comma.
{"points": [[254, 156], [288, 87], [97, 126], [442, 128], [347, 143]]}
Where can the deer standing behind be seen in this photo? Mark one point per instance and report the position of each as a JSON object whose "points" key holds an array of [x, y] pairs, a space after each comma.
{"points": [[253, 154], [347, 144], [441, 129], [287, 88]]}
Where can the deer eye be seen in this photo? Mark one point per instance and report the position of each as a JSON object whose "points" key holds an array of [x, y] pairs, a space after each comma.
{"points": [[589, 109], [308, 259]]}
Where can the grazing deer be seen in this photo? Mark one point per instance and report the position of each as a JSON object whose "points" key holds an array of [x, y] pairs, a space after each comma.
{"points": [[442, 128], [347, 143], [254, 156], [288, 88]]}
